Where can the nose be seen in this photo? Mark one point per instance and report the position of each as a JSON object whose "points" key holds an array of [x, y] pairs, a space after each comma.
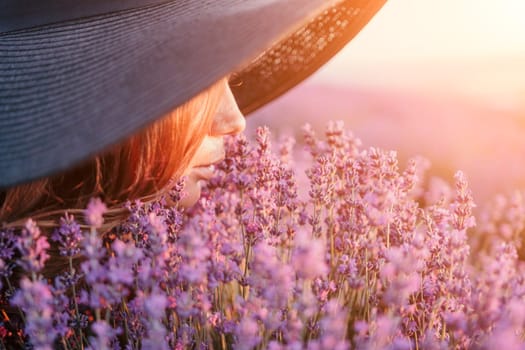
{"points": [[228, 120]]}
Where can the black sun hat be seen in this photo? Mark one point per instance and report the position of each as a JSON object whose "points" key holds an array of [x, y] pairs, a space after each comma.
{"points": [[77, 76]]}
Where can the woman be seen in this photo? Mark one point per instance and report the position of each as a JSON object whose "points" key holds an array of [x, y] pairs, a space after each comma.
{"points": [[78, 79], [115, 99], [142, 165]]}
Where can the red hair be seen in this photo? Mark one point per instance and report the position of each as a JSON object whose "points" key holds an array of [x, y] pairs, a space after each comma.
{"points": [[143, 165]]}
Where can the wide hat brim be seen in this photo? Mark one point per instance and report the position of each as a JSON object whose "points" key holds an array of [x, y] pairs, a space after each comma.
{"points": [[70, 89]]}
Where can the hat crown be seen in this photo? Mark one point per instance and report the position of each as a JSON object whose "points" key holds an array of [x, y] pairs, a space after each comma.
{"points": [[23, 14], [73, 87]]}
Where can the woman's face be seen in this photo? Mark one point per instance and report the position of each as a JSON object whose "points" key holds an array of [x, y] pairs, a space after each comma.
{"points": [[228, 120]]}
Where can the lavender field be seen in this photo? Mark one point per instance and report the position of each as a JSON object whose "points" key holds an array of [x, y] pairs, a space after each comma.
{"points": [[378, 205], [483, 135], [361, 253]]}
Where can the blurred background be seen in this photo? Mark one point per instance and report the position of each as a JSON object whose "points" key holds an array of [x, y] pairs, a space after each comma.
{"points": [[441, 79]]}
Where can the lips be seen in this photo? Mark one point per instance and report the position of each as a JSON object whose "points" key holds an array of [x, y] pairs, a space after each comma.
{"points": [[210, 152]]}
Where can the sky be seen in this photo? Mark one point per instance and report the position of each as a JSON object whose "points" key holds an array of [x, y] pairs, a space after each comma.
{"points": [[479, 45], [409, 30]]}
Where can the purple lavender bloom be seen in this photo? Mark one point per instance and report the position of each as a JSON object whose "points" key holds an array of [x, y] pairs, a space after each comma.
{"points": [[155, 307], [92, 247], [105, 335], [7, 244], [380, 333], [66, 279], [333, 327], [120, 267], [252, 266], [111, 279], [33, 248], [94, 213], [177, 191], [68, 236], [308, 257], [36, 299], [270, 278], [195, 256], [400, 277], [503, 338], [323, 288], [247, 334], [185, 305], [463, 204]]}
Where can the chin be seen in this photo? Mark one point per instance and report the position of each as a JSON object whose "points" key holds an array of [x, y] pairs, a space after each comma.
{"points": [[193, 192]]}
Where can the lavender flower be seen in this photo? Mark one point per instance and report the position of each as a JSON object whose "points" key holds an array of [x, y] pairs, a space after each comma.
{"points": [[247, 334], [308, 257], [68, 236], [35, 298], [8, 243], [32, 246], [8, 246], [94, 213], [155, 307], [104, 336], [350, 253]]}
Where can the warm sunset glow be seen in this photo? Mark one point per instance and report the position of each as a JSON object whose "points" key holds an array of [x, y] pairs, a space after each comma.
{"points": [[427, 44], [441, 78], [415, 29]]}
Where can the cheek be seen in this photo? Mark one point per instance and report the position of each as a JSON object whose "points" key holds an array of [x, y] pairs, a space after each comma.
{"points": [[193, 192]]}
